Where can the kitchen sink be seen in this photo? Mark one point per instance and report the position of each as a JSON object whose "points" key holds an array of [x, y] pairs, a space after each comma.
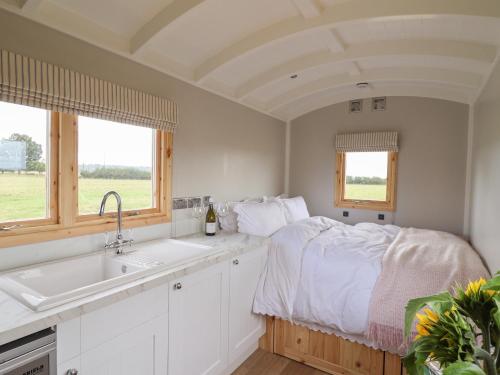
{"points": [[51, 284], [47, 285]]}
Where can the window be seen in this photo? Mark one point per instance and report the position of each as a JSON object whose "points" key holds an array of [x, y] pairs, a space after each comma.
{"points": [[366, 180], [56, 167], [27, 177], [113, 156]]}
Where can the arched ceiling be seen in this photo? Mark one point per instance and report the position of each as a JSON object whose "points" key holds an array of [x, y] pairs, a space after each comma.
{"points": [[249, 50]]}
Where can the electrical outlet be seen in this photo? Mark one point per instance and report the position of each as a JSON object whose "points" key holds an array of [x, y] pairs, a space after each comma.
{"points": [[345, 213], [381, 216]]}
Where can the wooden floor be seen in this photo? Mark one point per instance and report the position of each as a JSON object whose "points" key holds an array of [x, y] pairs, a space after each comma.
{"points": [[264, 363]]}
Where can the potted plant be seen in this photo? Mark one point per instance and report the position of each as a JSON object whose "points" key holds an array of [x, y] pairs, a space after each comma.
{"points": [[459, 331]]}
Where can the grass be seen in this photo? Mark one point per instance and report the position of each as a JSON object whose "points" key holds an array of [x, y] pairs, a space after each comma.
{"points": [[23, 196], [366, 192]]}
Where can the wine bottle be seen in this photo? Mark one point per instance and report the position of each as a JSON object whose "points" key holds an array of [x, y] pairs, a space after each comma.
{"points": [[211, 219]]}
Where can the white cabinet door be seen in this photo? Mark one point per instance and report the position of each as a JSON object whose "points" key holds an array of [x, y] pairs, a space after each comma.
{"points": [[140, 351], [198, 313], [103, 325], [245, 328], [127, 337]]}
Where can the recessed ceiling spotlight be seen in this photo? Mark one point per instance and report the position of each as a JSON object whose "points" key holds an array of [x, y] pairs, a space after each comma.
{"points": [[293, 76], [362, 85]]}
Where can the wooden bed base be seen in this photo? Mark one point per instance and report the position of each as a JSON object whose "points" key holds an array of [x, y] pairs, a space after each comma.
{"points": [[328, 353]]}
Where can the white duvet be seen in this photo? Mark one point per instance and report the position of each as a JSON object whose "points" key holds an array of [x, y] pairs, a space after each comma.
{"points": [[321, 273]]}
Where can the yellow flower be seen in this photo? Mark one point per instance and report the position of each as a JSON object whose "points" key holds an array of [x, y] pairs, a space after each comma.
{"points": [[425, 322], [432, 315], [474, 287], [422, 331], [428, 319]]}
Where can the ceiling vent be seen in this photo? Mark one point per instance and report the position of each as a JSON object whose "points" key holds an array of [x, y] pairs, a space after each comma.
{"points": [[378, 104], [356, 106]]}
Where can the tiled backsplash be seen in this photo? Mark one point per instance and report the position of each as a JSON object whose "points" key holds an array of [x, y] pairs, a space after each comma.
{"points": [[189, 202], [183, 221]]}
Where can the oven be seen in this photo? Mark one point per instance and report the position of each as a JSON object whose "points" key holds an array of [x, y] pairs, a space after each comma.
{"points": [[31, 355]]}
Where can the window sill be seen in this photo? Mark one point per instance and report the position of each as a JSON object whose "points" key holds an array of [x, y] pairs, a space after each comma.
{"points": [[24, 236], [366, 205]]}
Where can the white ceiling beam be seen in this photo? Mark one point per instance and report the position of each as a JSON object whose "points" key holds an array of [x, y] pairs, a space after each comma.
{"points": [[28, 6], [463, 51], [81, 27], [163, 19], [441, 76], [307, 8], [351, 11], [332, 40], [354, 69], [330, 97], [71, 23]]}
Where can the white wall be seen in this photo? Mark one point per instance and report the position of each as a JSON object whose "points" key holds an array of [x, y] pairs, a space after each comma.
{"points": [[485, 200], [221, 148], [431, 166]]}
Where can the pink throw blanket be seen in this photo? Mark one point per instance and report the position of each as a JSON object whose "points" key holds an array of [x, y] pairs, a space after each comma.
{"points": [[418, 263]]}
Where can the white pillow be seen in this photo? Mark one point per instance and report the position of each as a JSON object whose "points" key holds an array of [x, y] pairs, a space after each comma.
{"points": [[270, 198], [229, 223], [260, 219], [295, 209]]}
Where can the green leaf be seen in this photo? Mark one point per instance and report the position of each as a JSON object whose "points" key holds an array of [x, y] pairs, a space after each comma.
{"points": [[416, 304], [492, 284], [413, 365], [463, 368], [495, 313]]}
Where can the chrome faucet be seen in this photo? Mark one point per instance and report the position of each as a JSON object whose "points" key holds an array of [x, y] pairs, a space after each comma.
{"points": [[119, 242]]}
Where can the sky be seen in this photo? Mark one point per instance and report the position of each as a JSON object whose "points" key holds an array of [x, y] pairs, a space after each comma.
{"points": [[24, 120], [366, 164], [99, 141], [110, 143]]}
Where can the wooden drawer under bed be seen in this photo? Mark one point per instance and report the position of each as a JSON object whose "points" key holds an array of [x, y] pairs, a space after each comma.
{"points": [[328, 353]]}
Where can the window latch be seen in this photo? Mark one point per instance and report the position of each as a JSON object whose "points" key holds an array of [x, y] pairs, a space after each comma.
{"points": [[7, 228]]}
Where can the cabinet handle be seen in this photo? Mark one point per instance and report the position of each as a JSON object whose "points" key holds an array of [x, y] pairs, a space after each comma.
{"points": [[236, 262], [72, 371], [177, 286]]}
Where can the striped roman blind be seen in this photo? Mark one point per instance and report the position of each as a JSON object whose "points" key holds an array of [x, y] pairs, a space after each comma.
{"points": [[367, 142], [24, 80]]}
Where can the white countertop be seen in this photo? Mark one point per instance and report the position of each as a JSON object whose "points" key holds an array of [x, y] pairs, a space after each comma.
{"points": [[17, 320]]}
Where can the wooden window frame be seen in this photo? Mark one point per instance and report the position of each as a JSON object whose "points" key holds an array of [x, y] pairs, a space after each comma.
{"points": [[65, 220], [388, 205], [144, 212], [53, 176]]}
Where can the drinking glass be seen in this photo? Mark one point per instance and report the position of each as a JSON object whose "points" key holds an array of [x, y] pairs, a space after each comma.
{"points": [[198, 210], [222, 208]]}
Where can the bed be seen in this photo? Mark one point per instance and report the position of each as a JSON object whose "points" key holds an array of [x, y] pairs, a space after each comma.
{"points": [[334, 294]]}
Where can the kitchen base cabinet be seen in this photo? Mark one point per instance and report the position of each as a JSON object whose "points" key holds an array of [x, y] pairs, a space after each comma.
{"points": [[198, 322], [127, 337], [245, 327], [65, 368], [141, 351]]}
